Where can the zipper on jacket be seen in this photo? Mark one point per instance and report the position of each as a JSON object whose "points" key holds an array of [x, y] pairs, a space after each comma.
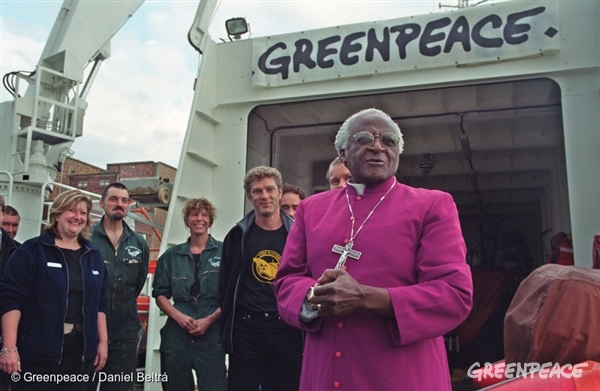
{"points": [[86, 250], [67, 303], [244, 229]]}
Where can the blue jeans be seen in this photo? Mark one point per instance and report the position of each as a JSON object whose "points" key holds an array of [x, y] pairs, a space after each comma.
{"points": [[267, 352]]}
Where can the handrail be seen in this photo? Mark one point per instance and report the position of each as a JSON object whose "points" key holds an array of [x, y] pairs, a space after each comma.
{"points": [[10, 186], [95, 199]]}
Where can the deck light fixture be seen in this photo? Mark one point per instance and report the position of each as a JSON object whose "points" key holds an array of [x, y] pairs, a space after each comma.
{"points": [[236, 27]]}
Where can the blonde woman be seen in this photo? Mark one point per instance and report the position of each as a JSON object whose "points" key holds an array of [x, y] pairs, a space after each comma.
{"points": [[53, 303]]}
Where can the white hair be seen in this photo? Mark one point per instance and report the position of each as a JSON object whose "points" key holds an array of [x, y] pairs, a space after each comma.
{"points": [[343, 135]]}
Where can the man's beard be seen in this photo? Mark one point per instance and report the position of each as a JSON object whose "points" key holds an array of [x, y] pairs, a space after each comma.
{"points": [[118, 217]]}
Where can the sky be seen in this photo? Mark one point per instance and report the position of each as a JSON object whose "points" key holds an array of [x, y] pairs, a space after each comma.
{"points": [[139, 104]]}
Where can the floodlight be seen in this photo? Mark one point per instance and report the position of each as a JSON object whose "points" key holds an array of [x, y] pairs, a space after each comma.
{"points": [[236, 27]]}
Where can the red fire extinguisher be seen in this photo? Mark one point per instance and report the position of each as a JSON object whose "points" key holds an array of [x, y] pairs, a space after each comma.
{"points": [[562, 250]]}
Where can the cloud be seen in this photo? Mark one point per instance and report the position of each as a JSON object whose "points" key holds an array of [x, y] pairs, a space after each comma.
{"points": [[19, 53], [273, 17], [140, 102]]}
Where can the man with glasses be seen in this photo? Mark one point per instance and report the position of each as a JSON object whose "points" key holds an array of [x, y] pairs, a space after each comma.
{"points": [[375, 274], [126, 255]]}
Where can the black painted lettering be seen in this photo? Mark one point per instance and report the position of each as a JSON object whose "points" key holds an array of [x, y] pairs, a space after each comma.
{"points": [[349, 47], [485, 42], [304, 48], [459, 33], [406, 33], [276, 65], [428, 37], [514, 33], [324, 51], [383, 46]]}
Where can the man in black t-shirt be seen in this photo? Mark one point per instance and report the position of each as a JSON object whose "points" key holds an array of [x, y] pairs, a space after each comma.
{"points": [[263, 350]]}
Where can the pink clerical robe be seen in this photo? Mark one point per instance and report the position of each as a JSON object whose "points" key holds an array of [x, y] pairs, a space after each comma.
{"points": [[413, 246]]}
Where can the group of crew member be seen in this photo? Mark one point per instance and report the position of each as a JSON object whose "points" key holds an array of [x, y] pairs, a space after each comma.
{"points": [[68, 298], [349, 289]]}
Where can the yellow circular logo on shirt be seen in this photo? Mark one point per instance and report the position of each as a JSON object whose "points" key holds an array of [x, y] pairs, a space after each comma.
{"points": [[264, 266]]}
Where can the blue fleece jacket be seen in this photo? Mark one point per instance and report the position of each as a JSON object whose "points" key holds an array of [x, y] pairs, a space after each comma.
{"points": [[35, 282]]}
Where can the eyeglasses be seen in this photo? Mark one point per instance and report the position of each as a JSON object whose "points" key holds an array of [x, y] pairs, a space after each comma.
{"points": [[366, 139]]}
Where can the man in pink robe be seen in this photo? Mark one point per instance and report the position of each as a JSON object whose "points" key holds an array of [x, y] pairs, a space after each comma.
{"points": [[377, 323]]}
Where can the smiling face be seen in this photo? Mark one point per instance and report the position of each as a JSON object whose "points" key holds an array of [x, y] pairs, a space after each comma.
{"points": [[10, 224], [115, 203], [198, 221], [70, 223], [376, 163], [264, 196]]}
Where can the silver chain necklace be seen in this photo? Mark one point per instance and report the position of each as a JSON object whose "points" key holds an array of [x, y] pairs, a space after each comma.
{"points": [[347, 251]]}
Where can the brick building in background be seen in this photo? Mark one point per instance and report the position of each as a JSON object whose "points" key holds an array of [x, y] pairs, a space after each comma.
{"points": [[142, 179]]}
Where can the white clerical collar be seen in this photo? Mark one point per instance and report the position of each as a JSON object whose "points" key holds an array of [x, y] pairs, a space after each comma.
{"points": [[359, 187]]}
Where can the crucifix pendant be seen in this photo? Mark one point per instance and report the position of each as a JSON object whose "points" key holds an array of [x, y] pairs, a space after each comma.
{"points": [[345, 252]]}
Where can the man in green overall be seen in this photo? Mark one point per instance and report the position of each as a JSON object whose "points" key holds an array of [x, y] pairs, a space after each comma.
{"points": [[125, 254]]}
